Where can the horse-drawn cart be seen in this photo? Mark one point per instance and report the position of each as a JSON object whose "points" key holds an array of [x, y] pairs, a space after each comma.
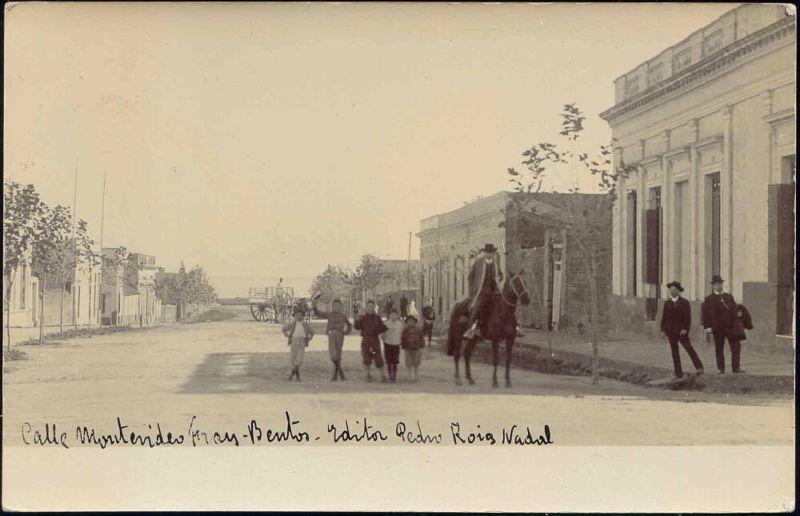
{"points": [[271, 304]]}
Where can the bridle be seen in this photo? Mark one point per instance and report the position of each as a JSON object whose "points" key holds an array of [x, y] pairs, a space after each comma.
{"points": [[517, 294]]}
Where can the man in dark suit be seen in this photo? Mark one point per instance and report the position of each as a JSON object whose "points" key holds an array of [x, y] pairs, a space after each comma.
{"points": [[403, 307], [676, 319], [719, 312]]}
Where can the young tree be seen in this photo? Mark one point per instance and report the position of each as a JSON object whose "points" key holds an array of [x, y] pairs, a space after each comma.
{"points": [[334, 282], [583, 218], [22, 214], [367, 275], [48, 251], [81, 258]]}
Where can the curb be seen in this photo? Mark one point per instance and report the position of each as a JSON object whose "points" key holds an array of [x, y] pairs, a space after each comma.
{"points": [[532, 357]]}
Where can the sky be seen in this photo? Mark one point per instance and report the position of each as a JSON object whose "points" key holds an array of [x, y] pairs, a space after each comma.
{"points": [[269, 140]]}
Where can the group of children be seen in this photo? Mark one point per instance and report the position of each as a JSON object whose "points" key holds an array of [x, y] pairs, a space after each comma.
{"points": [[395, 334]]}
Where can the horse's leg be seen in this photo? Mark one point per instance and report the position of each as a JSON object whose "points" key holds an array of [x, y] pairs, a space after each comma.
{"points": [[456, 357], [495, 352], [509, 349], [468, 358]]}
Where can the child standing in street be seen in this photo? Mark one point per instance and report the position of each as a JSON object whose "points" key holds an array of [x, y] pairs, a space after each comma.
{"points": [[299, 334], [338, 326], [371, 327], [391, 343], [412, 341]]}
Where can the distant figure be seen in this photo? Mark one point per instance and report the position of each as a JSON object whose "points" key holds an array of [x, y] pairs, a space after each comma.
{"points": [[389, 305], [371, 326], [338, 326], [676, 319], [428, 316], [412, 343], [719, 314], [299, 334], [403, 307]]}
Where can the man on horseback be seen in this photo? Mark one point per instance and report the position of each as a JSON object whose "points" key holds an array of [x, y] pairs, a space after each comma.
{"points": [[485, 277]]}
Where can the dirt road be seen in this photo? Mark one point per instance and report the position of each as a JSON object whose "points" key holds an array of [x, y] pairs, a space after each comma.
{"points": [[225, 374]]}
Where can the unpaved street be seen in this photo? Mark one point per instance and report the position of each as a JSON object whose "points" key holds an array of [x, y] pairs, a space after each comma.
{"points": [[227, 373]]}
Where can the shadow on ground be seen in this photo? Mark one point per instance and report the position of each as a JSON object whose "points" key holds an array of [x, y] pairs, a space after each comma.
{"points": [[265, 372]]}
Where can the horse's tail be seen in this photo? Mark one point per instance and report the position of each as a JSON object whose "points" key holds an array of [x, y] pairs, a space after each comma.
{"points": [[455, 330]]}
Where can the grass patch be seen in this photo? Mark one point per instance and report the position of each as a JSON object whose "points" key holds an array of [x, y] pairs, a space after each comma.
{"points": [[14, 354], [212, 315], [73, 333]]}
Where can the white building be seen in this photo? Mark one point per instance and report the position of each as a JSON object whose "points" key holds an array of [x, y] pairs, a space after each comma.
{"points": [[709, 124], [23, 307]]}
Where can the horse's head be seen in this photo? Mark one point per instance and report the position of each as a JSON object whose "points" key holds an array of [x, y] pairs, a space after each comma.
{"points": [[516, 290]]}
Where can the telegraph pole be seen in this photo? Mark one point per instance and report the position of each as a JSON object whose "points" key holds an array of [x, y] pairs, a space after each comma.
{"points": [[74, 252], [102, 220], [408, 263]]}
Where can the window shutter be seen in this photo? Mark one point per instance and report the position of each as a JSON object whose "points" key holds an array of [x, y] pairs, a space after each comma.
{"points": [[653, 239]]}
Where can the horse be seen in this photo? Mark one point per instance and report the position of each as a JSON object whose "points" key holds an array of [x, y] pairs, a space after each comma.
{"points": [[498, 322]]}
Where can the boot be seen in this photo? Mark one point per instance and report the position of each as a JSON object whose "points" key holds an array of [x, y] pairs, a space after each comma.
{"points": [[335, 373], [369, 375], [291, 377], [298, 374], [341, 373], [383, 376]]}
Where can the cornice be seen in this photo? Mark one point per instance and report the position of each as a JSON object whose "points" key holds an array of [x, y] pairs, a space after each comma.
{"points": [[689, 77], [674, 153], [649, 160], [706, 142], [780, 116]]}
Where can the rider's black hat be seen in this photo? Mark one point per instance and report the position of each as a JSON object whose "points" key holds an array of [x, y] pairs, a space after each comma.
{"points": [[489, 248]]}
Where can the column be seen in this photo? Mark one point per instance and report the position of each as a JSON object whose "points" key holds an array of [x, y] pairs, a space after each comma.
{"points": [[667, 231], [726, 198], [641, 206], [695, 211], [766, 98], [620, 251]]}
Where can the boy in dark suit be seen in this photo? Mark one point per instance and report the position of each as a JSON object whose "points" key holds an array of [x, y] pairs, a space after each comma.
{"points": [[371, 326], [676, 319], [719, 313]]}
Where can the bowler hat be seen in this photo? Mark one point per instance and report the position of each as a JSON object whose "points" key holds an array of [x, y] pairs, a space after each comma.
{"points": [[676, 284], [716, 278], [489, 248]]}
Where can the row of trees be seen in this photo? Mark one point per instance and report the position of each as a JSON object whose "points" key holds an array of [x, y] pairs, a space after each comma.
{"points": [[340, 281], [185, 289], [55, 245], [46, 237]]}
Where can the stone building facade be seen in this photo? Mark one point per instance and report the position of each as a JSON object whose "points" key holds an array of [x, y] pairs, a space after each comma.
{"points": [[535, 244], [709, 124]]}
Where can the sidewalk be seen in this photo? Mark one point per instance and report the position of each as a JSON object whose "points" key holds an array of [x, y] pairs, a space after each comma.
{"points": [[649, 362], [651, 353]]}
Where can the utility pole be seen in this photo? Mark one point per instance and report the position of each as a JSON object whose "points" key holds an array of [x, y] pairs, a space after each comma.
{"points": [[74, 246], [408, 264], [102, 220]]}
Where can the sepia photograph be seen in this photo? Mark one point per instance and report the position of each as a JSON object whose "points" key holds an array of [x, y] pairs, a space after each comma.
{"points": [[399, 257]]}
